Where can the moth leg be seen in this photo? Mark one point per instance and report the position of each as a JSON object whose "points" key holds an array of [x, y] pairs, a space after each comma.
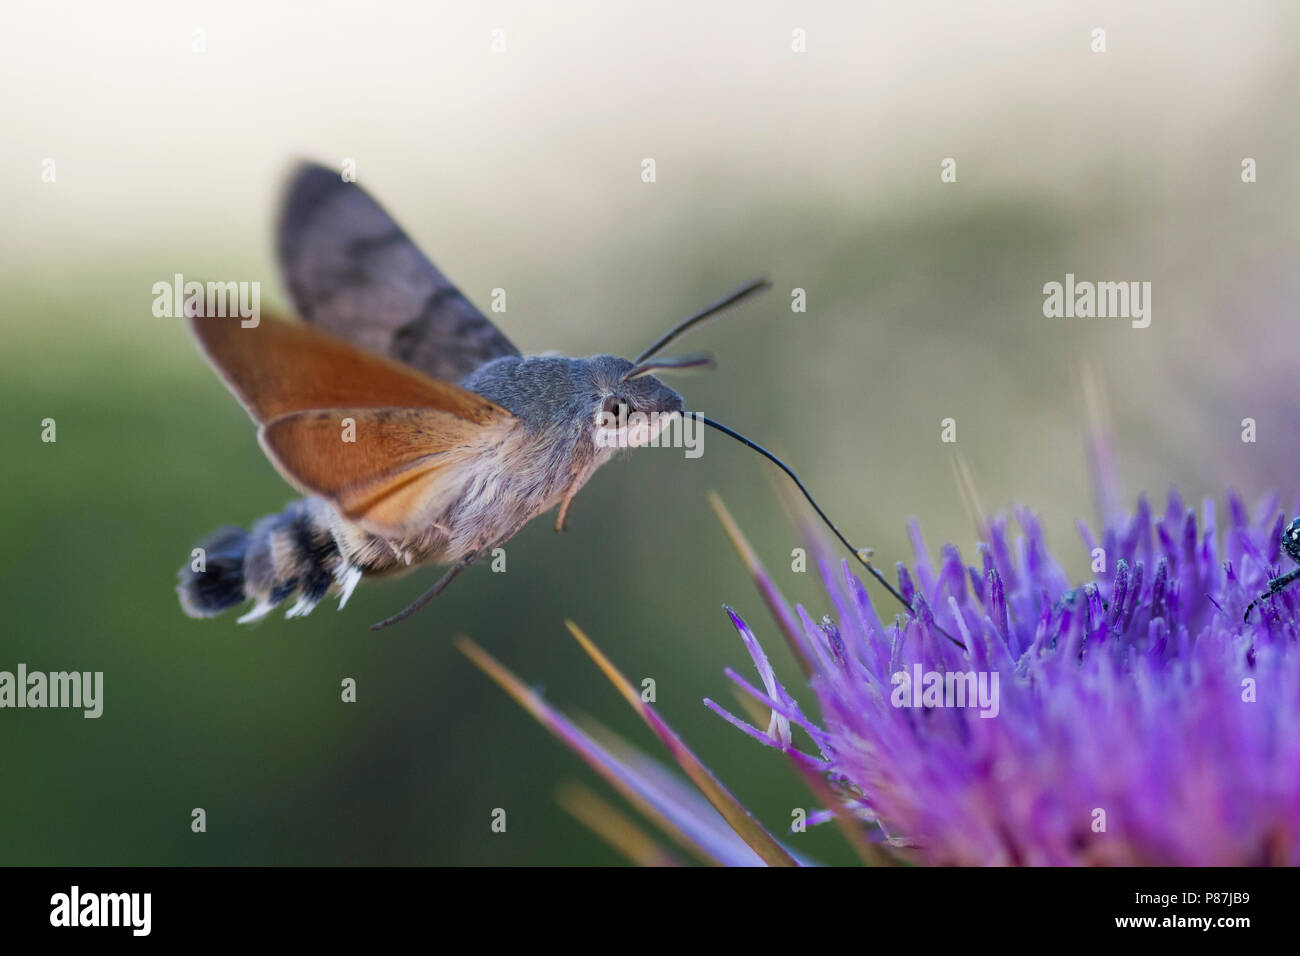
{"points": [[570, 493], [428, 595], [560, 524], [441, 584], [406, 557]]}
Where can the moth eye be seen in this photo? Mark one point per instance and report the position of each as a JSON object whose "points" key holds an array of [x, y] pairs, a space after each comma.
{"points": [[617, 407]]}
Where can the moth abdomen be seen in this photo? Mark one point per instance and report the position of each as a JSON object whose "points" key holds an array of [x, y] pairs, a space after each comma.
{"points": [[219, 585], [293, 554]]}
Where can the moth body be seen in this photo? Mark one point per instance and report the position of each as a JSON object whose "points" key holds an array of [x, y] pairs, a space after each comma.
{"points": [[417, 430], [543, 426]]}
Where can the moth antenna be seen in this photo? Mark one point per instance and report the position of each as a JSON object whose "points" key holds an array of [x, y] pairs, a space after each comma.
{"points": [[753, 287], [862, 554], [682, 364]]}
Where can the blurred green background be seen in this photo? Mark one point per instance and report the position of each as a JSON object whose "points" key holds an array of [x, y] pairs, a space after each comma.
{"points": [[521, 170]]}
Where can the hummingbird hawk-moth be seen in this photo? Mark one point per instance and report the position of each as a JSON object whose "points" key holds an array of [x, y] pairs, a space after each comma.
{"points": [[459, 440]]}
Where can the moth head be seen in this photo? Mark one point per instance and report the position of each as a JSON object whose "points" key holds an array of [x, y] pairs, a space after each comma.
{"points": [[633, 404], [630, 405]]}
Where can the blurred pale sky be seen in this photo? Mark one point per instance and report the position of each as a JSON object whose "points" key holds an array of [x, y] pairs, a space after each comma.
{"points": [[158, 144], [521, 169]]}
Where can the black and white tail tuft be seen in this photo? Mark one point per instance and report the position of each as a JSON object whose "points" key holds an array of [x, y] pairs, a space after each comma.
{"points": [[293, 554]]}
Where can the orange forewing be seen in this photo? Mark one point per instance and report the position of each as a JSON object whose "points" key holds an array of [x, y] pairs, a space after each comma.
{"points": [[415, 437], [276, 367]]}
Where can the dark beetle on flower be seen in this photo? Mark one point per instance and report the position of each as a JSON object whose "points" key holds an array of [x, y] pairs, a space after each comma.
{"points": [[1291, 545]]}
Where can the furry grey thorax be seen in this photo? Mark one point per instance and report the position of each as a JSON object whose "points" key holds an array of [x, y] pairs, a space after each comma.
{"points": [[557, 392]]}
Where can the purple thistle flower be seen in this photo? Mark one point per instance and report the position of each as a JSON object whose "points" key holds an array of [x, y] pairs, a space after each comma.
{"points": [[1133, 720], [1138, 720]]}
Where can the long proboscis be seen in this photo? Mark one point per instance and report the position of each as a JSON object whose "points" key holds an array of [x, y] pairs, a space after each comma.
{"points": [[753, 287], [862, 554]]}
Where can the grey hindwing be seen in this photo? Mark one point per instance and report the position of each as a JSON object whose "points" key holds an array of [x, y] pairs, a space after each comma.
{"points": [[352, 270]]}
